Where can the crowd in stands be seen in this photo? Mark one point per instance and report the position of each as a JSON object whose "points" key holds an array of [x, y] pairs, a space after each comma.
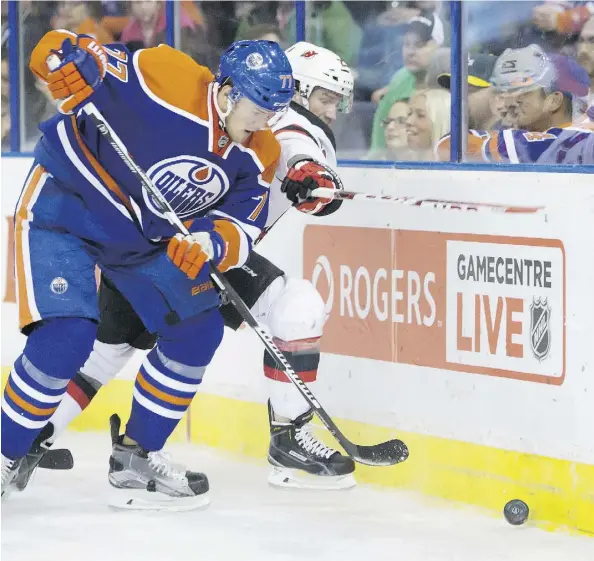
{"points": [[399, 52]]}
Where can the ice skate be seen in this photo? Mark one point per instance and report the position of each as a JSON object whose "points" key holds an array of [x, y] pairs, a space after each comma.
{"points": [[9, 472], [149, 480], [41, 455], [302, 461]]}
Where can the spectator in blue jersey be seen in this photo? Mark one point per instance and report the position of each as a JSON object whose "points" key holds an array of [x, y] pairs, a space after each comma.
{"points": [[540, 91], [541, 94]]}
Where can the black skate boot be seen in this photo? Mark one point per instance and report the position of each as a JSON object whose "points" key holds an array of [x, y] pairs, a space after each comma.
{"points": [[41, 455], [149, 480], [302, 461]]}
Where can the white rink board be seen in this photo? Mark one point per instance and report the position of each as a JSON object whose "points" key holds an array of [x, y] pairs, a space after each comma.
{"points": [[459, 374]]}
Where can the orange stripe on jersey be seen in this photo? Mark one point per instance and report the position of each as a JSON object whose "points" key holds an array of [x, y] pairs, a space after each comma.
{"points": [[268, 173], [26, 405], [50, 41], [22, 223], [474, 148], [442, 150], [267, 149], [232, 236], [263, 198], [176, 78], [156, 392], [99, 169]]}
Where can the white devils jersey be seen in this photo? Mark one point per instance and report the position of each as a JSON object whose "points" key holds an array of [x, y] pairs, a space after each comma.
{"points": [[299, 132]]}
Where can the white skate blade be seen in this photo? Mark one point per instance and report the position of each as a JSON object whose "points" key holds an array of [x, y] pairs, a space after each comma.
{"points": [[10, 488], [141, 499], [297, 479]]}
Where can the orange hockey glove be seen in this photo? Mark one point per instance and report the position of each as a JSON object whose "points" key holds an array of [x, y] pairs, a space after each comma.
{"points": [[81, 70], [190, 253]]}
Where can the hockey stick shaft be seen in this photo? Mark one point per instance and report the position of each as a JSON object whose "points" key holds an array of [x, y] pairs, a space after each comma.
{"points": [[325, 193], [387, 453]]}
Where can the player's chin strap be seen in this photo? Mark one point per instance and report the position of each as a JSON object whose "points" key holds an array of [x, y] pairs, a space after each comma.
{"points": [[304, 97], [230, 103]]}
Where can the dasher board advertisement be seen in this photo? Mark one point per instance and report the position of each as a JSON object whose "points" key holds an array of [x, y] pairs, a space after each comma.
{"points": [[482, 304]]}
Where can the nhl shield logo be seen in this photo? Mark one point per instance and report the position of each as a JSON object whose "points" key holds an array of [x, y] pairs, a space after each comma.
{"points": [[540, 328]]}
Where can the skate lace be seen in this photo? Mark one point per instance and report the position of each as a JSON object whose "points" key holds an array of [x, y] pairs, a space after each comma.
{"points": [[311, 444], [162, 464], [6, 468]]}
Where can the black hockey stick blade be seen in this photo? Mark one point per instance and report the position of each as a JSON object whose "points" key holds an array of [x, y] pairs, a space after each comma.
{"points": [[387, 453], [60, 458]]}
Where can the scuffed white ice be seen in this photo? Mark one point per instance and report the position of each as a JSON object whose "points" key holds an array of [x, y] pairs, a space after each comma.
{"points": [[62, 516]]}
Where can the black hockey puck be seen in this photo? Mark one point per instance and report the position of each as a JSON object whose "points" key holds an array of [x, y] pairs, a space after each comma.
{"points": [[516, 512]]}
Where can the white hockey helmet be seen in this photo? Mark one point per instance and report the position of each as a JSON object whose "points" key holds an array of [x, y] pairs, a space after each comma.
{"points": [[318, 67]]}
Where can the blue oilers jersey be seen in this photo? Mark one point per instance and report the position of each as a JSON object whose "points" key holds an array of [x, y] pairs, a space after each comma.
{"points": [[162, 106], [557, 145]]}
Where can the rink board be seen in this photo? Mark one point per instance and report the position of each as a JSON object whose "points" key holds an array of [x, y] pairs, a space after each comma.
{"points": [[433, 337]]}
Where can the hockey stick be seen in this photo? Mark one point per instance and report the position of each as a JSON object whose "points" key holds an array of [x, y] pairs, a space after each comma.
{"points": [[325, 193], [383, 454], [60, 458]]}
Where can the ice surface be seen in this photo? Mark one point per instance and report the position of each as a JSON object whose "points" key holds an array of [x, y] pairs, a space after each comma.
{"points": [[63, 516]]}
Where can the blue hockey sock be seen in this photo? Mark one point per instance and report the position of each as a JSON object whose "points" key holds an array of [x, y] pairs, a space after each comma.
{"points": [[37, 382], [169, 378], [163, 392]]}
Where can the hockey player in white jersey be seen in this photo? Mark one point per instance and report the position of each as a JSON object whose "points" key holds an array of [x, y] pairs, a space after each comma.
{"points": [[290, 307]]}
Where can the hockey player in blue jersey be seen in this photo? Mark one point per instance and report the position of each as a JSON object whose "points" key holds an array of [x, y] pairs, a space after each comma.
{"points": [[289, 307], [205, 143], [545, 97]]}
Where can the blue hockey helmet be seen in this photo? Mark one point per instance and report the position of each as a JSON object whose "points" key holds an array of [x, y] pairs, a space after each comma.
{"points": [[258, 70]]}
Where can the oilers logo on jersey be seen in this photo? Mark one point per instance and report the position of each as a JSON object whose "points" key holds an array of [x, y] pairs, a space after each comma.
{"points": [[189, 184]]}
